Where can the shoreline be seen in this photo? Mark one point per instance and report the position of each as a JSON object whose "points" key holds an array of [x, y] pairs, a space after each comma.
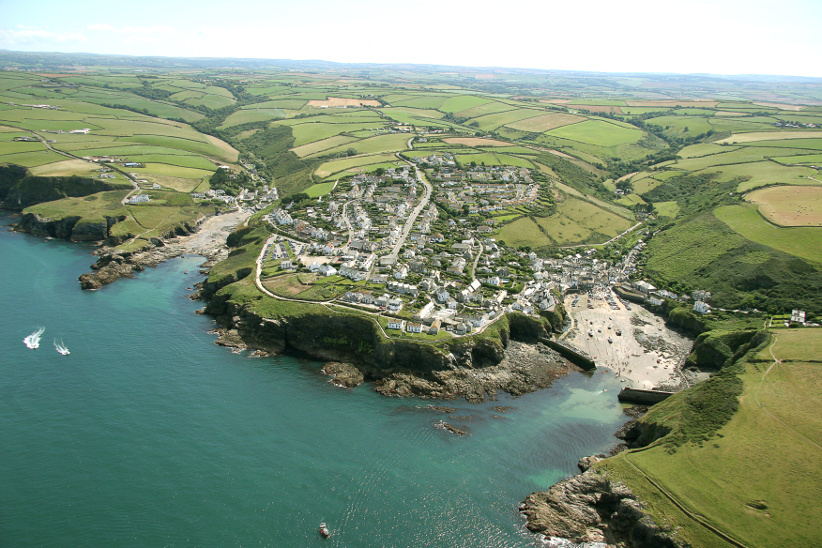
{"points": [[208, 239]]}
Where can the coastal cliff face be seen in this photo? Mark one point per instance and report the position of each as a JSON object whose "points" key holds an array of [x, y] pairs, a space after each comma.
{"points": [[592, 508], [113, 265], [70, 228], [472, 368], [30, 190]]}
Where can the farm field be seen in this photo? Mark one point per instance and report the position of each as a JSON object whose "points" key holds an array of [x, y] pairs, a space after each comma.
{"points": [[524, 232], [805, 242], [597, 132], [790, 205], [546, 122], [381, 143], [356, 164], [322, 145], [759, 174], [578, 221], [722, 480]]}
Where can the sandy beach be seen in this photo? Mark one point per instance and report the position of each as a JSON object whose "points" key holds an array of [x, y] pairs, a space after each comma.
{"points": [[643, 352]]}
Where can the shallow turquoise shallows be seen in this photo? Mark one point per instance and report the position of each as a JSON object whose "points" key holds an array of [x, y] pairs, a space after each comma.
{"points": [[148, 434]]}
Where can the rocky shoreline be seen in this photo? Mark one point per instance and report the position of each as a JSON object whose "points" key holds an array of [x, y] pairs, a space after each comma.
{"points": [[516, 368], [206, 237], [591, 509]]}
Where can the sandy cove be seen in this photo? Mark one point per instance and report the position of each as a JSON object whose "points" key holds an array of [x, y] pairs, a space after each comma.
{"points": [[647, 354]]}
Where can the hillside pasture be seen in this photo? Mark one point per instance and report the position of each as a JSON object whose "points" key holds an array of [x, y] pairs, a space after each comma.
{"points": [[392, 142], [315, 131], [545, 122], [765, 173], [672, 103], [810, 159], [597, 132], [171, 171], [804, 242], [493, 107], [356, 164], [32, 159], [578, 221], [523, 232], [320, 189], [433, 102], [257, 115], [322, 145], [66, 168], [462, 102], [731, 480], [790, 205], [667, 209], [281, 104], [490, 122]]}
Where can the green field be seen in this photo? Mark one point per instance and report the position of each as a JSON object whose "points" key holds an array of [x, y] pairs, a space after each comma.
{"points": [[805, 242], [381, 143], [256, 115], [459, 103], [323, 145], [758, 174], [597, 132], [578, 221], [355, 164], [523, 232], [320, 189]]}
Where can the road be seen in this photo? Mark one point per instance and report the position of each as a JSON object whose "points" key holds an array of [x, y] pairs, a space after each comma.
{"points": [[412, 218], [73, 157]]}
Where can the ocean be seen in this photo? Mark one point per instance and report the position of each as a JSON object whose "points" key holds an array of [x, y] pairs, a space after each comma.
{"points": [[149, 434]]}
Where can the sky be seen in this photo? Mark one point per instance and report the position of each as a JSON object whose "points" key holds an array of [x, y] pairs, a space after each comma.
{"points": [[694, 36]]}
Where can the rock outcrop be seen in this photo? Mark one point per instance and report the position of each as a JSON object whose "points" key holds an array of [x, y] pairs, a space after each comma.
{"points": [[592, 508], [345, 375]]}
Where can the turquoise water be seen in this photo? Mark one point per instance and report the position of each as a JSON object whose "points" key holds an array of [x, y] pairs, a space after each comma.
{"points": [[148, 434]]}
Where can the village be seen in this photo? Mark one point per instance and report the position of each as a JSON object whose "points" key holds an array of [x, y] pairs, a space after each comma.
{"points": [[388, 250]]}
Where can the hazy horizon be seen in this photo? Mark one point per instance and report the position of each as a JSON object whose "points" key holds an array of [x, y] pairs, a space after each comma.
{"points": [[727, 37]]}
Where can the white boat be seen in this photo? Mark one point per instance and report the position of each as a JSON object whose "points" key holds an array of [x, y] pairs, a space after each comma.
{"points": [[61, 348], [33, 341]]}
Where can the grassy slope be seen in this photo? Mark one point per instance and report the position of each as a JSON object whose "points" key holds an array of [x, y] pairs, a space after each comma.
{"points": [[755, 478]]}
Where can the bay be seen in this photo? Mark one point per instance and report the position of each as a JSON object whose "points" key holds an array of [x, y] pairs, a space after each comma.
{"points": [[148, 434]]}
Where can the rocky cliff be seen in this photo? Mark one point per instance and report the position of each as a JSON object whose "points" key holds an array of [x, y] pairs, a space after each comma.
{"points": [[70, 227], [31, 190], [592, 508], [472, 368]]}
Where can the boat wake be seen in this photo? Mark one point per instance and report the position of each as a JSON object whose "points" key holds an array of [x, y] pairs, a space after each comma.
{"points": [[33, 341], [61, 348]]}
